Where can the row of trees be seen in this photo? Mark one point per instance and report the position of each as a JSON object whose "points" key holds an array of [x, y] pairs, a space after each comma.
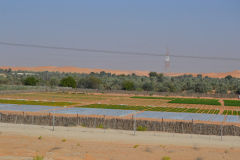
{"points": [[107, 81]]}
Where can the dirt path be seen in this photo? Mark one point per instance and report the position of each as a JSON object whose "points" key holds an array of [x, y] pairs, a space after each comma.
{"points": [[23, 142]]}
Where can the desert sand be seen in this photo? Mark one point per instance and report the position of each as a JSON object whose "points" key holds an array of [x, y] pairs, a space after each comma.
{"points": [[19, 141], [235, 73]]}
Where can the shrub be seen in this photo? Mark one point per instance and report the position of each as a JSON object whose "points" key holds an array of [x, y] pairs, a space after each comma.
{"points": [[38, 157], [141, 128], [135, 146], [64, 140], [166, 158], [100, 126]]}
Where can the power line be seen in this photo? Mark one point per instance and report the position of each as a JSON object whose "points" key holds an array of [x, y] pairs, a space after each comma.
{"points": [[112, 51]]}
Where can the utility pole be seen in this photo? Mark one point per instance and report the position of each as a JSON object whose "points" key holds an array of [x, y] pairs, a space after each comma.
{"points": [[167, 61]]}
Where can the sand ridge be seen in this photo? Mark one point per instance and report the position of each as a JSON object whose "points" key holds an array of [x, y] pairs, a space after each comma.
{"points": [[72, 69]]}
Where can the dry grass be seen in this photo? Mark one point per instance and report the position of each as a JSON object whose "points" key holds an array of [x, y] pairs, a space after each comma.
{"points": [[166, 158], [135, 146], [38, 157]]}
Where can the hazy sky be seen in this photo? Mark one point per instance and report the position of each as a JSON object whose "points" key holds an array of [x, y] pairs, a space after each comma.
{"points": [[187, 27]]}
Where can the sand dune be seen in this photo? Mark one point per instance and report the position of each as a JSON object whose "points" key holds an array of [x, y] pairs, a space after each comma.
{"points": [[74, 70], [235, 73]]}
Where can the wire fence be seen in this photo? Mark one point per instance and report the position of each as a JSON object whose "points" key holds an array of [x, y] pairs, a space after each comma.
{"points": [[132, 123]]}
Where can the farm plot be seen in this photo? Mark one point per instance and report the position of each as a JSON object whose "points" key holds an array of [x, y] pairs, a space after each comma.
{"points": [[184, 100], [181, 116], [195, 101], [231, 112], [44, 103], [94, 111], [149, 108], [231, 118], [232, 103], [26, 108]]}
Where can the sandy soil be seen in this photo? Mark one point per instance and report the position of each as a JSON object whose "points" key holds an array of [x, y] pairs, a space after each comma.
{"points": [[89, 70], [78, 143]]}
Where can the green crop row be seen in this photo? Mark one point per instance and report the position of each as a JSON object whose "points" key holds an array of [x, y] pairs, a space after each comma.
{"points": [[146, 108], [195, 101], [43, 103], [232, 103], [184, 100], [230, 112]]}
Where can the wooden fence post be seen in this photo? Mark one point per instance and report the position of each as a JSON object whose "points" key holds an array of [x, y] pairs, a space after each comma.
{"points": [[53, 122], [77, 120], [104, 124], [134, 125]]}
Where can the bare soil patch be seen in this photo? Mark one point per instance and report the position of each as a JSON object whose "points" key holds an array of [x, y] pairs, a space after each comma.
{"points": [[21, 141]]}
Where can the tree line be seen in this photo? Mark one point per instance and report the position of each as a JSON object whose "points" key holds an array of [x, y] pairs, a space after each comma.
{"points": [[106, 81]]}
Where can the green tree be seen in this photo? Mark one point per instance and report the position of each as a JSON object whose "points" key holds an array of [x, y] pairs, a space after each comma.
{"points": [[82, 83], [162, 88], [30, 81], [53, 82], [228, 77], [222, 88], [147, 86], [199, 76], [153, 74], [160, 77], [238, 91], [68, 82], [201, 87], [128, 85], [171, 86], [93, 82]]}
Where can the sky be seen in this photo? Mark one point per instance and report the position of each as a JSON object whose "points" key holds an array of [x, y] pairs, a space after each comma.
{"points": [[186, 27]]}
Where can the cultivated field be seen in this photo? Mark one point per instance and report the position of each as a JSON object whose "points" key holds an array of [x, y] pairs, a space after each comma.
{"points": [[119, 100], [28, 141], [153, 107]]}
